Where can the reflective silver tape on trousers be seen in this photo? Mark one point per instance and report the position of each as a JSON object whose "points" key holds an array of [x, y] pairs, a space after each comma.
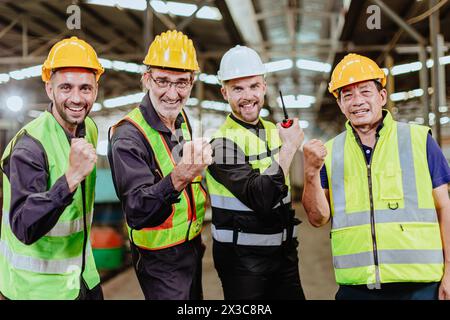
{"points": [[389, 257], [61, 228], [231, 203], [31, 264], [251, 239]]}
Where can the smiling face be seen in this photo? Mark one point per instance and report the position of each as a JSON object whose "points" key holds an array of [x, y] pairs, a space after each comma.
{"points": [[362, 103], [73, 92], [246, 97], [169, 90]]}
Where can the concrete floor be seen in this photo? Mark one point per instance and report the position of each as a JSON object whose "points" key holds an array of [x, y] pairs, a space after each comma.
{"points": [[316, 269]]}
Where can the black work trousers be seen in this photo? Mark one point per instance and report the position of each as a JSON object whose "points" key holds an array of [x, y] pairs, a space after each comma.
{"points": [[173, 273], [258, 273], [390, 291]]}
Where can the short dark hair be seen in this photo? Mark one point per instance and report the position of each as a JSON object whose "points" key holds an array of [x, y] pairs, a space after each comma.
{"points": [[377, 84]]}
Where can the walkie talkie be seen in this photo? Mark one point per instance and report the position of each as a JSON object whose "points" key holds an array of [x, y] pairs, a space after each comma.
{"points": [[286, 123]]}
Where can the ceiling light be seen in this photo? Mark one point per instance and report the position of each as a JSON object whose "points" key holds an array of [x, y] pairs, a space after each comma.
{"points": [[215, 105], [313, 65], [14, 103], [127, 4], [279, 65], [405, 68], [398, 96], [96, 107], [4, 77], [123, 100], [207, 12], [301, 101], [25, 73]]}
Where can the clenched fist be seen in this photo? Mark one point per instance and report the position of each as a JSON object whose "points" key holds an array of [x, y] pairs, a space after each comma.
{"points": [[314, 153], [197, 151], [82, 159], [197, 155]]}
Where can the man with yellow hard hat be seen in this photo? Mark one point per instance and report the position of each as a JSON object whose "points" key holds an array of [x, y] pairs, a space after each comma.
{"points": [[157, 170], [48, 186], [383, 185]]}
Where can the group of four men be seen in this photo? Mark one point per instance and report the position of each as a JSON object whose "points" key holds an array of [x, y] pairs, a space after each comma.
{"points": [[390, 212]]}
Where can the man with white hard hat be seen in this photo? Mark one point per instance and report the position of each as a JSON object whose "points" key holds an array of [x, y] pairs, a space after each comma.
{"points": [[253, 223]]}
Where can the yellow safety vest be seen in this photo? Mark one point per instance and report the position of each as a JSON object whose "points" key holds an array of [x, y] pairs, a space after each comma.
{"points": [[233, 221], [51, 267], [384, 223], [186, 219]]}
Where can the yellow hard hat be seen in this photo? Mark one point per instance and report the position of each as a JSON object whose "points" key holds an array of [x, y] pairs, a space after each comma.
{"points": [[172, 49], [354, 68], [71, 52]]}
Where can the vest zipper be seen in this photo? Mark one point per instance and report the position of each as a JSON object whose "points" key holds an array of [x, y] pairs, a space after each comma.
{"points": [[83, 259], [372, 212]]}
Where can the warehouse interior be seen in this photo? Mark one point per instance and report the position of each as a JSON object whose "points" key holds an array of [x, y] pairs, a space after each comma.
{"points": [[299, 41]]}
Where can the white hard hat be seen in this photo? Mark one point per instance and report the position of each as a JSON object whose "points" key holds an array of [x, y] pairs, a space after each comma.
{"points": [[239, 62]]}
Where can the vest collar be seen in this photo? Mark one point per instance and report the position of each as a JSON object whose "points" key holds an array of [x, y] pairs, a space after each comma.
{"points": [[246, 125], [382, 129]]}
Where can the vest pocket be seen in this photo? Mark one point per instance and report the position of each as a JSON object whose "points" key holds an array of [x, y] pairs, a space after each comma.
{"points": [[409, 236], [351, 240], [390, 185]]}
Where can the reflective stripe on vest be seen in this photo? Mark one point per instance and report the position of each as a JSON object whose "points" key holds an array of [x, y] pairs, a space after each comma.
{"points": [[61, 228], [364, 259], [229, 203], [37, 265], [251, 239]]}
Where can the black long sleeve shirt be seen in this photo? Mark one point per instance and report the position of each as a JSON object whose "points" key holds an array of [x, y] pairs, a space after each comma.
{"points": [[259, 192], [34, 208], [146, 196]]}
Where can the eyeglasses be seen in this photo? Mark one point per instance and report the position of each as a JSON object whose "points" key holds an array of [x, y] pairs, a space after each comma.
{"points": [[164, 84]]}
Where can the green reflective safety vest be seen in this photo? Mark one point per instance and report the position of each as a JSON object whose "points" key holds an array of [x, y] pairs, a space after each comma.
{"points": [[260, 154], [186, 219], [51, 267], [384, 223]]}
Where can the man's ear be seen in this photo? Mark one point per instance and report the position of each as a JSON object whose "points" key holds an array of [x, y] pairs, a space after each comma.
{"points": [[224, 92], [49, 89], [96, 91], [383, 93], [145, 79], [338, 100]]}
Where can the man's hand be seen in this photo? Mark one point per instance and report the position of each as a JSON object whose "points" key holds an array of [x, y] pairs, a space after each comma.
{"points": [[197, 155], [82, 159], [444, 288], [293, 136], [314, 152]]}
